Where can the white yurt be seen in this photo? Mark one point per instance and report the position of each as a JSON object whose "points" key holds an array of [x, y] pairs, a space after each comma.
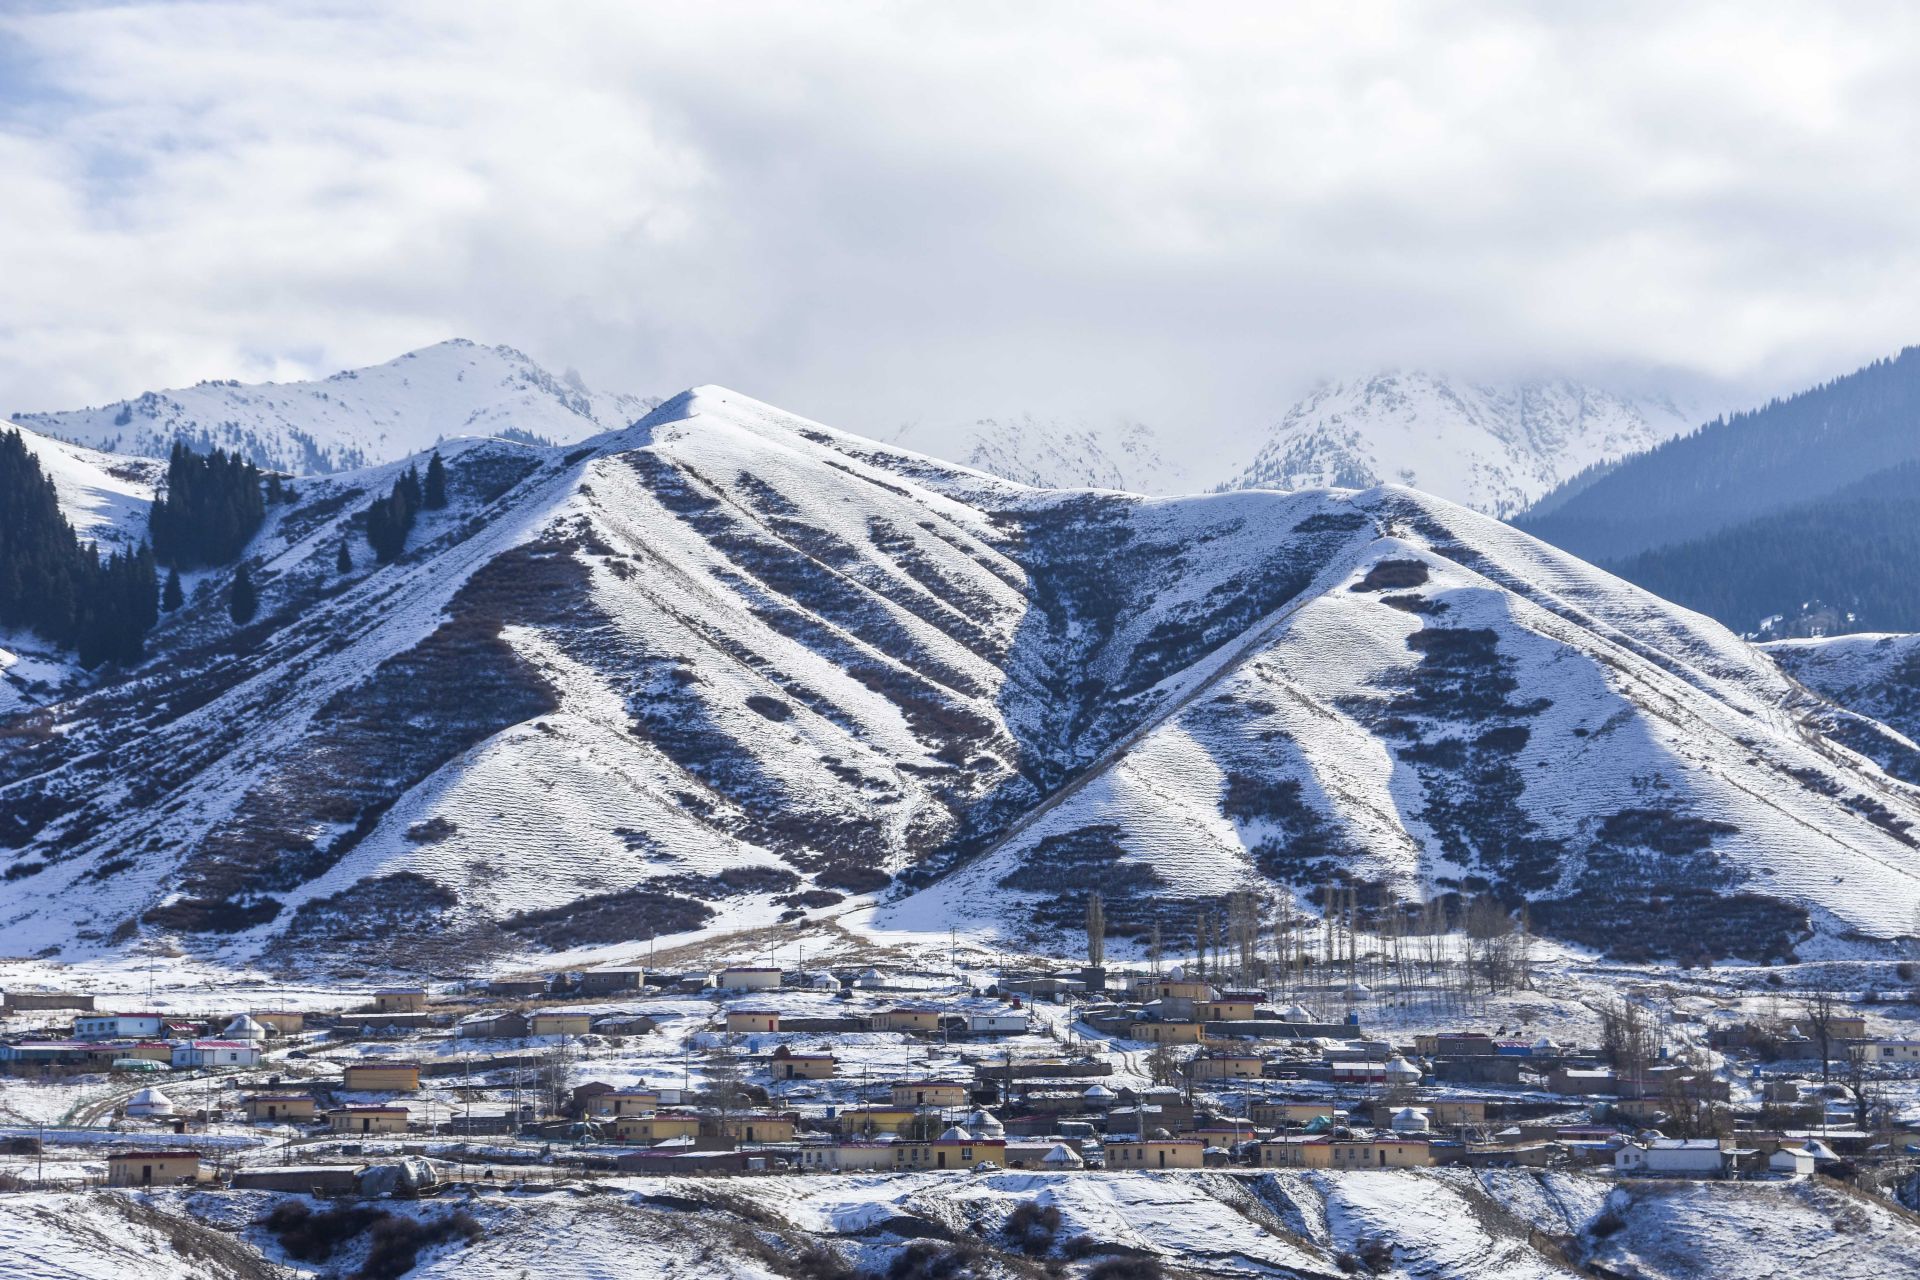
{"points": [[1062, 1157], [1358, 991], [984, 1124], [244, 1028], [1298, 1013], [1401, 1072], [956, 1134], [1411, 1120], [1098, 1096], [149, 1102]]}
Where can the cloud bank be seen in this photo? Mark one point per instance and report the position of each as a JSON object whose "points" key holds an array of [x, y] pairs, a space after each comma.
{"points": [[873, 213]]}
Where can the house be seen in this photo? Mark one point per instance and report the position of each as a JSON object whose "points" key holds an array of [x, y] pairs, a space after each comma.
{"points": [[282, 1022], [559, 1022], [215, 1053], [1175, 986], [752, 1020], [1225, 1066], [862, 1120], [508, 1025], [1888, 1051], [17, 1001], [999, 1023], [1796, 1161], [911, 1018], [953, 1149], [656, 1126], [1297, 1151], [787, 1065], [400, 1000], [758, 1127], [1281, 1115], [1847, 1026], [844, 1157], [303, 1179], [1455, 1044], [381, 1076], [930, 1093], [280, 1106], [601, 982], [1232, 1006], [368, 1119], [1583, 1080], [1384, 1153], [749, 978], [118, 1026], [1225, 1133], [624, 1102], [1673, 1157], [518, 988], [1155, 1153], [1165, 1032], [152, 1168]]}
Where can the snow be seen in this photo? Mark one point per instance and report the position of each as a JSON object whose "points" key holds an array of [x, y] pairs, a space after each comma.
{"points": [[356, 417], [1046, 453], [1495, 448]]}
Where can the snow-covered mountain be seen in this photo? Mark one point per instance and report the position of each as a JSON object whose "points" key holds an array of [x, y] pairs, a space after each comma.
{"points": [[727, 666], [359, 416], [1873, 681], [1048, 453], [1494, 448]]}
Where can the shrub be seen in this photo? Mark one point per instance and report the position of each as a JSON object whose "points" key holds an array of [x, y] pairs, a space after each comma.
{"points": [[397, 1242], [313, 1237], [1032, 1226], [1140, 1268], [817, 1262], [926, 1260]]}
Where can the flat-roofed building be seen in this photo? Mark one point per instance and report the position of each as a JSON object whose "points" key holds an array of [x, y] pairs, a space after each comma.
{"points": [[277, 1107], [152, 1168], [368, 1119], [381, 1077]]}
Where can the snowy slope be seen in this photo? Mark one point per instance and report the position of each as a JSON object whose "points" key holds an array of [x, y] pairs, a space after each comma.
{"points": [[727, 666], [104, 497], [1051, 454], [1873, 683], [1495, 448], [358, 416]]}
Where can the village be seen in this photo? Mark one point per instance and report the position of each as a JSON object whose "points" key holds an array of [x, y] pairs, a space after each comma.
{"points": [[754, 1069]]}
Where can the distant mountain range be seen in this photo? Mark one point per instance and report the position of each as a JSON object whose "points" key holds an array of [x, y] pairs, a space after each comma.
{"points": [[358, 417], [728, 666], [1049, 453], [1807, 508], [1495, 448]]}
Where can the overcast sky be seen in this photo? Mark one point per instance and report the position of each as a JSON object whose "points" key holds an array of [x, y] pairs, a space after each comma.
{"points": [[878, 213]]}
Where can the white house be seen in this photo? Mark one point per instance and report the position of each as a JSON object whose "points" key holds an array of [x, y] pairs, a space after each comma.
{"points": [[1794, 1160], [999, 1023], [742, 977], [1882, 1051], [215, 1053], [118, 1026], [1673, 1157]]}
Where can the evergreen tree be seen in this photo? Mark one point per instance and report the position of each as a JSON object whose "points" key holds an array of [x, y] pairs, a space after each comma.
{"points": [[436, 495], [344, 561], [172, 598], [411, 493], [244, 602], [390, 518], [212, 505]]}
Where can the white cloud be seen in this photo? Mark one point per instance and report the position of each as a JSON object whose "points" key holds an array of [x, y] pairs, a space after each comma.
{"points": [[873, 212]]}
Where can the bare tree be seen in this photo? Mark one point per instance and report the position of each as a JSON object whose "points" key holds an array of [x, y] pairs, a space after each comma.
{"points": [[1627, 1037], [1821, 1007], [1162, 1065], [1153, 949], [1096, 930]]}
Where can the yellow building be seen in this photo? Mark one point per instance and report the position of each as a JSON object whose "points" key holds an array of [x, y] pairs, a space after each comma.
{"points": [[1155, 1153], [281, 1106], [907, 1019], [152, 1168], [400, 1000], [656, 1126], [1311, 1152], [381, 1077], [282, 1022], [1281, 1115], [368, 1119], [1225, 1066], [759, 1128], [930, 1093], [1165, 1032], [624, 1102], [742, 977], [559, 1022], [752, 1020], [1383, 1153], [1233, 1006], [801, 1066], [954, 1149], [1173, 989], [857, 1120]]}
